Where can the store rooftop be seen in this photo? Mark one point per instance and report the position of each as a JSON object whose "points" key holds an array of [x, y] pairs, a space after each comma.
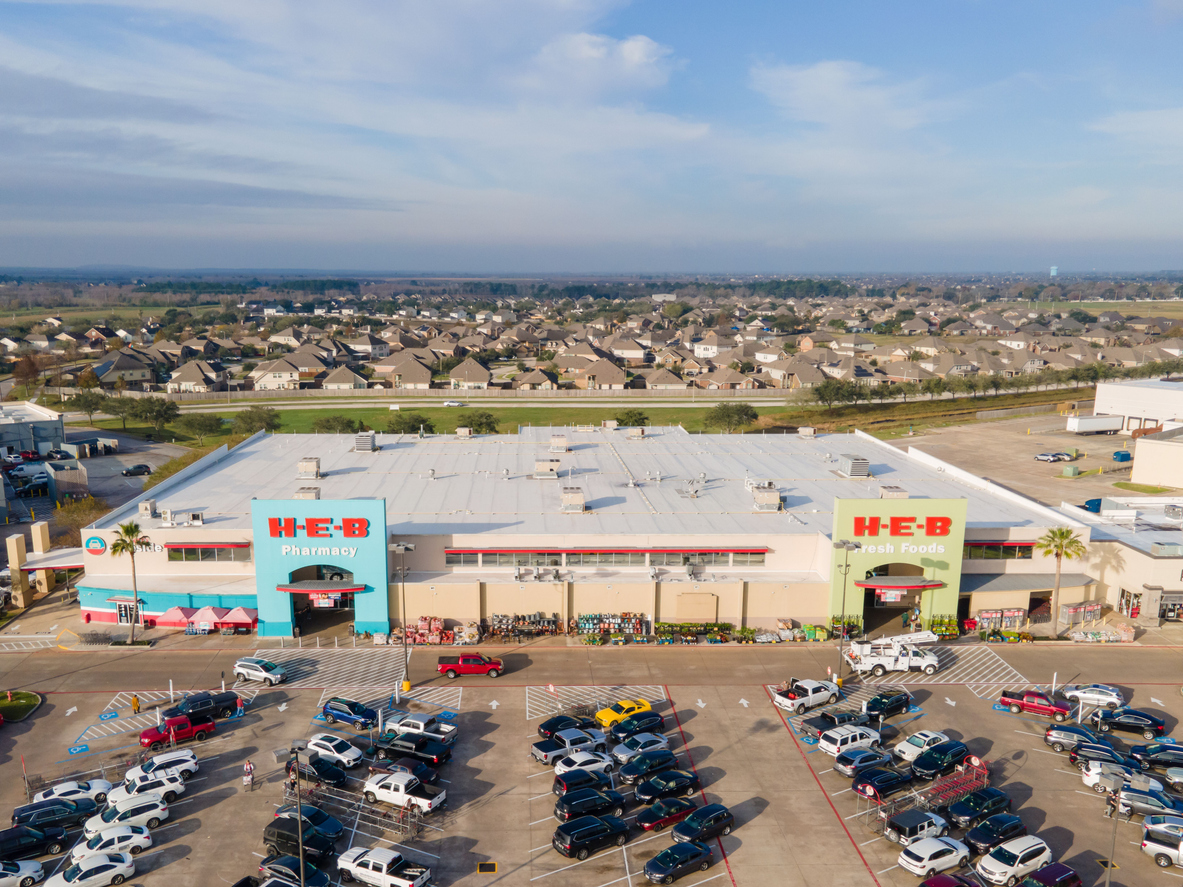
{"points": [[1153, 526], [445, 484]]}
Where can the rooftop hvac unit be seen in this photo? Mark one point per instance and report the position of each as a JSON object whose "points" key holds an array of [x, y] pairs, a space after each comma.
{"points": [[572, 502], [463, 431], [1163, 549], [891, 492], [765, 497], [148, 508], [365, 442], [546, 469], [558, 443], [806, 431], [636, 433], [854, 466], [610, 424], [196, 518], [307, 493], [585, 427], [166, 514], [308, 467], [1171, 512]]}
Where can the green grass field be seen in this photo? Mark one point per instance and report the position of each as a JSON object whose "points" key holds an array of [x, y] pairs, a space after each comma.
{"points": [[18, 709], [1147, 308]]}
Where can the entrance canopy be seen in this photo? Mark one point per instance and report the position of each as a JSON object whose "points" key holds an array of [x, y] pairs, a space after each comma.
{"points": [[316, 586], [899, 583]]}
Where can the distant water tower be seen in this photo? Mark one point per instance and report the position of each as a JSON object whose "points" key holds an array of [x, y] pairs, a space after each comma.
{"points": [[1055, 270]]}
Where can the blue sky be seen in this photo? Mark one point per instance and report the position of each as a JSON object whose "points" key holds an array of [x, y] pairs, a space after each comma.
{"points": [[584, 136]]}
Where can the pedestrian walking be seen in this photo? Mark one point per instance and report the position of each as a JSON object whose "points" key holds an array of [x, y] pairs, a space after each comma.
{"points": [[248, 775], [1111, 805], [241, 707], [135, 704]]}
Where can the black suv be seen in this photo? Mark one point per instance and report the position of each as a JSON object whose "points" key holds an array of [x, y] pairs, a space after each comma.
{"points": [[641, 722], [58, 812], [647, 764], [887, 703], [548, 728], [214, 704], [1128, 720], [26, 842], [589, 802], [942, 758], [584, 836], [828, 720], [997, 829], [975, 807], [704, 823], [574, 780], [281, 837]]}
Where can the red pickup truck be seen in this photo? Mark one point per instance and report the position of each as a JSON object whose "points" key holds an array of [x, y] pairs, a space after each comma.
{"points": [[178, 729], [1035, 703], [469, 663]]}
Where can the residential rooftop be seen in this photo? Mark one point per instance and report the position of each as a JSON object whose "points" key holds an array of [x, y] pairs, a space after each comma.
{"points": [[668, 482]]}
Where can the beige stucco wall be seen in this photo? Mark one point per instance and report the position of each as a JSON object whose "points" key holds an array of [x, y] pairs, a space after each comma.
{"points": [[1158, 462]]}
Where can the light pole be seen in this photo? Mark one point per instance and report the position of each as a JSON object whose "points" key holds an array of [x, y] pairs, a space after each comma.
{"points": [[299, 745], [844, 545], [401, 549]]}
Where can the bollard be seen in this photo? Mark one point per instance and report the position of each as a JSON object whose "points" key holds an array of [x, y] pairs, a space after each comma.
{"points": [[170, 689], [300, 643], [335, 644], [355, 640], [281, 642], [318, 642]]}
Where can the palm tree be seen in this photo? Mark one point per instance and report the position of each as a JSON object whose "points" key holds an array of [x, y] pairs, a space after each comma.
{"points": [[1060, 543], [130, 538]]}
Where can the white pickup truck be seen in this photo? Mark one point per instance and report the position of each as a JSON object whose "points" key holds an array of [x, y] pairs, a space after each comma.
{"points": [[427, 726], [382, 868], [403, 790], [563, 743], [797, 695]]}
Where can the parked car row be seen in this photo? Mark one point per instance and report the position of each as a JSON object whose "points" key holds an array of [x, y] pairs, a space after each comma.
{"points": [[626, 739], [116, 823]]}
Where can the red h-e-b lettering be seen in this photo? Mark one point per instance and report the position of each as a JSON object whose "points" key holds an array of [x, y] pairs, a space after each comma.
{"points": [[866, 526], [317, 527], [937, 526], [355, 527], [285, 526]]}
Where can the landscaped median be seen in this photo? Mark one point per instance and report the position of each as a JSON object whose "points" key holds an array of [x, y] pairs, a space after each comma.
{"points": [[16, 705]]}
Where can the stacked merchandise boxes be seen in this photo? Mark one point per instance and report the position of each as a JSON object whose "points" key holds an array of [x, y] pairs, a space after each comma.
{"points": [[613, 623], [429, 630], [945, 627]]}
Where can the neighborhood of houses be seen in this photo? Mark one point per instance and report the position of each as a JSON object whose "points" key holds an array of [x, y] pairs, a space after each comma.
{"points": [[794, 344]]}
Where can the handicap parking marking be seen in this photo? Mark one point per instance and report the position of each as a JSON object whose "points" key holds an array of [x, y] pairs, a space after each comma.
{"points": [[116, 717], [79, 749], [978, 667]]}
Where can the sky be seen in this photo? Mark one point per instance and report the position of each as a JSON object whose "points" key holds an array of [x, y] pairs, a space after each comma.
{"points": [[593, 136]]}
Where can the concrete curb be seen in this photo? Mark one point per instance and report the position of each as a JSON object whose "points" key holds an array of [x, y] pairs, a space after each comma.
{"points": [[30, 712]]}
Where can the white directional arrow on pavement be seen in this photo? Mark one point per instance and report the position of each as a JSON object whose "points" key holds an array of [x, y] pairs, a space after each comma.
{"points": [[283, 707], [949, 701], [701, 704], [493, 705], [743, 702], [53, 627], [71, 710], [1156, 701]]}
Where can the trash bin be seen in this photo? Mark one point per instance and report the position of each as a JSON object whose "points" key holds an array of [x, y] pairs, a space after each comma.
{"points": [[1123, 456]]}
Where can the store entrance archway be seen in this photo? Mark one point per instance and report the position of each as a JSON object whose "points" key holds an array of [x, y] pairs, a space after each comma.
{"points": [[892, 596], [322, 598]]}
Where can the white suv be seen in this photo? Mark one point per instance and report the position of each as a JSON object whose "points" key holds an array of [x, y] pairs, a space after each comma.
{"points": [[183, 761], [847, 737], [1010, 862], [251, 668], [166, 783], [146, 810]]}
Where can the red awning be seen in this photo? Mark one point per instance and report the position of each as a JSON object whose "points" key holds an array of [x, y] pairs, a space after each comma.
{"points": [[187, 545], [899, 583], [314, 586], [606, 551]]}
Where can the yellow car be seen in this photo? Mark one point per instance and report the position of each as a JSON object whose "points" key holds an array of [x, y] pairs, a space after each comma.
{"points": [[618, 711]]}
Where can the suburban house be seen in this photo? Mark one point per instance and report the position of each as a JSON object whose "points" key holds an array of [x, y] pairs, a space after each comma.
{"points": [[601, 374], [197, 376], [470, 375], [343, 379], [535, 380]]}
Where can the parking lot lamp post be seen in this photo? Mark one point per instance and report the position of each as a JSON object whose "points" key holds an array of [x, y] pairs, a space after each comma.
{"points": [[844, 545], [1112, 847], [401, 549], [296, 748]]}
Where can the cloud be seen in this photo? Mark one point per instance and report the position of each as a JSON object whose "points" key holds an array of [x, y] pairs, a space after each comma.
{"points": [[582, 65], [1157, 132], [843, 95]]}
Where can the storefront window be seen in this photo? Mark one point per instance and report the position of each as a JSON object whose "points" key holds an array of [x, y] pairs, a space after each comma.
{"points": [[461, 559], [748, 559], [995, 552], [193, 555], [607, 559]]}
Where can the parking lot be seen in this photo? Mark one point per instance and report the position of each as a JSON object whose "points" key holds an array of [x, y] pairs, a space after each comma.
{"points": [[1004, 452], [797, 821]]}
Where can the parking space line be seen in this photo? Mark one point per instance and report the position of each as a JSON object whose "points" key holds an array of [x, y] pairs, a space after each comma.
{"points": [[885, 871], [536, 797], [872, 841], [573, 865], [535, 822]]}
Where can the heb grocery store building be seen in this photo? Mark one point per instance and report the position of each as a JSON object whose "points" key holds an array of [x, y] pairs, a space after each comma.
{"points": [[679, 527]]}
